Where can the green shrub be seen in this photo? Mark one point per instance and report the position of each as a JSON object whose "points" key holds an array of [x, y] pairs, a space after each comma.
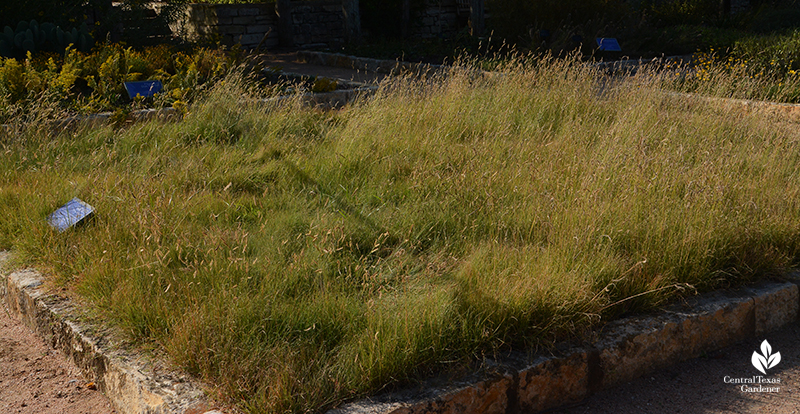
{"points": [[30, 37], [384, 18], [13, 85], [677, 12], [768, 68], [515, 19], [94, 82], [777, 53], [774, 18]]}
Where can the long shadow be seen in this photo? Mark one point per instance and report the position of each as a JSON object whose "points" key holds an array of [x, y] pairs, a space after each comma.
{"points": [[338, 202]]}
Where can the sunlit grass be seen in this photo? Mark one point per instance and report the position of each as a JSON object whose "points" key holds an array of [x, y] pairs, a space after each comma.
{"points": [[295, 258]]}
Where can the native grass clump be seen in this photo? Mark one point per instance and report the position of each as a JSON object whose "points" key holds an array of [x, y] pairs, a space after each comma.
{"points": [[296, 258]]}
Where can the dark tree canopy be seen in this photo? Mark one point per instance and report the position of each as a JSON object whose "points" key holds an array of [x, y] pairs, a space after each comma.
{"points": [[99, 14]]}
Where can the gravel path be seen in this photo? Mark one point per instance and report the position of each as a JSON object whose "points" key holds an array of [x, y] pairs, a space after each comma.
{"points": [[698, 385], [38, 380]]}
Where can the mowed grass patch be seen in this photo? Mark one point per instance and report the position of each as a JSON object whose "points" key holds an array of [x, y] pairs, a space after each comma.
{"points": [[296, 258]]}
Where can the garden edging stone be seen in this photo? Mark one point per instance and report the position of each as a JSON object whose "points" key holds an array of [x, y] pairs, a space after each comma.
{"points": [[621, 351], [134, 383], [778, 110]]}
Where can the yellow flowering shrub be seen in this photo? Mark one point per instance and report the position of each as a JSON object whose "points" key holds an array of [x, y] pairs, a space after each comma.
{"points": [[765, 68], [95, 82], [12, 80]]}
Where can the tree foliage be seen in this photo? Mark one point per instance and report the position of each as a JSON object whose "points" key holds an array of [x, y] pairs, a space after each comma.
{"points": [[130, 20]]}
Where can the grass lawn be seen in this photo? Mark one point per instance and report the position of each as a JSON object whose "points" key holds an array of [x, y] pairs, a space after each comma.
{"points": [[295, 258]]}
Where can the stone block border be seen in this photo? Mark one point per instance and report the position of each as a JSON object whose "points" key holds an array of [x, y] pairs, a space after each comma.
{"points": [[621, 351], [134, 384], [776, 110], [626, 66], [334, 99]]}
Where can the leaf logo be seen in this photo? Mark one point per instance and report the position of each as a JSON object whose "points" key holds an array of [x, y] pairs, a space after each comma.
{"points": [[766, 359]]}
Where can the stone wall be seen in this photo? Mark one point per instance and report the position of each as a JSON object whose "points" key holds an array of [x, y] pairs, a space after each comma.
{"points": [[318, 22], [246, 24], [439, 18], [312, 22], [739, 6]]}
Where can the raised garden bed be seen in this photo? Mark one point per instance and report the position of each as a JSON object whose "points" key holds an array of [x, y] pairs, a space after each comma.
{"points": [[296, 259]]}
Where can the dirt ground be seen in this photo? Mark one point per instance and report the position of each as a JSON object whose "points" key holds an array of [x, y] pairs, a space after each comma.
{"points": [[38, 380]]}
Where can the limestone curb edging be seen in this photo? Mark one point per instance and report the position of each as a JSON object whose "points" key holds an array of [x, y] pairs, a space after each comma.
{"points": [[334, 99], [133, 384], [623, 350], [787, 111], [104, 117], [349, 83], [630, 66]]}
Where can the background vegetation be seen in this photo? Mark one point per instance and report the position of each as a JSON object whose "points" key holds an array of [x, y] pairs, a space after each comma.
{"points": [[766, 69], [130, 20], [65, 13], [87, 83], [644, 28]]}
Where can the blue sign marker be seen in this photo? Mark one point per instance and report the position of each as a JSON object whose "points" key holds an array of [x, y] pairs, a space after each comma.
{"points": [[608, 44], [70, 214], [144, 89]]}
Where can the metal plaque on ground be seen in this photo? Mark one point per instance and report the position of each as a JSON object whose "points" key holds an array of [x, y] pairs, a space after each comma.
{"points": [[144, 89], [70, 214], [608, 44]]}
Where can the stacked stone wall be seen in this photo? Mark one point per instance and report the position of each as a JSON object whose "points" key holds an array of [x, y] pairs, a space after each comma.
{"points": [[739, 6], [439, 18], [318, 22], [312, 22], [245, 24]]}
